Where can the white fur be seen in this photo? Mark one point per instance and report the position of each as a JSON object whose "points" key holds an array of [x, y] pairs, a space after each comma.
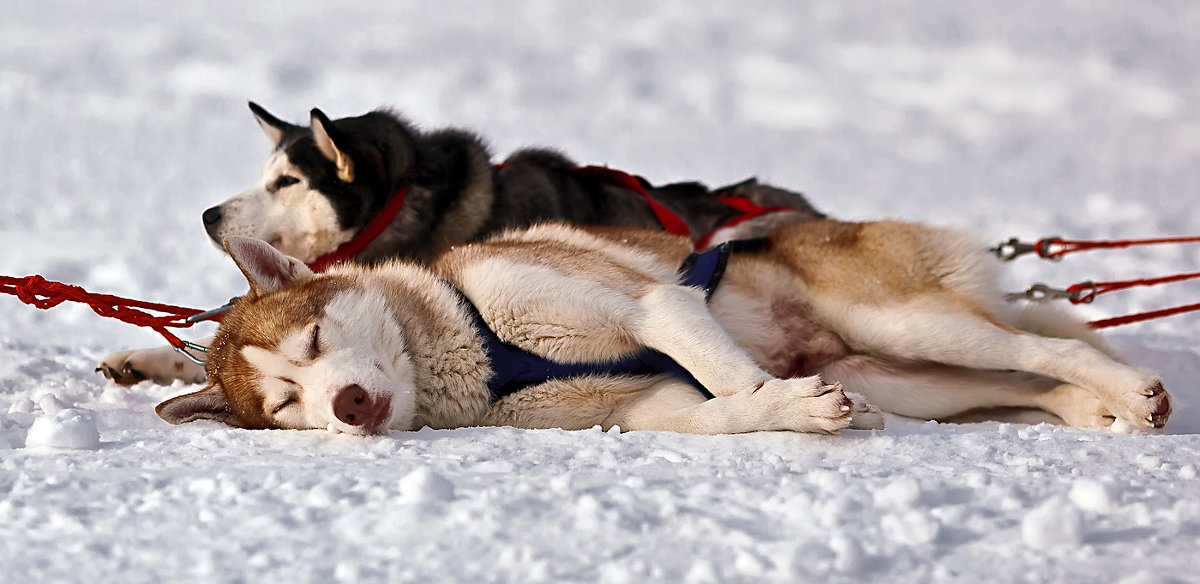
{"points": [[361, 345], [507, 293], [296, 219]]}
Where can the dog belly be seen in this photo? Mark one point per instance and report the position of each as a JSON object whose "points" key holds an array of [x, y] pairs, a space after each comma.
{"points": [[779, 335]]}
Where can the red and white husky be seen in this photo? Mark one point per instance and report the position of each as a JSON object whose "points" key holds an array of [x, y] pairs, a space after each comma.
{"points": [[808, 332]]}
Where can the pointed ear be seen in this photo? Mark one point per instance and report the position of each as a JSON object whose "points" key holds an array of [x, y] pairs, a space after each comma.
{"points": [[265, 267], [327, 138], [273, 127], [208, 404]]}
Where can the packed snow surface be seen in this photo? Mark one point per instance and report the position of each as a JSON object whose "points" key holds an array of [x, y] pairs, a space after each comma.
{"points": [[122, 121]]}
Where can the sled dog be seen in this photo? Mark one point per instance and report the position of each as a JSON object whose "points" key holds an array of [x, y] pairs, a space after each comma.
{"points": [[324, 185], [810, 330]]}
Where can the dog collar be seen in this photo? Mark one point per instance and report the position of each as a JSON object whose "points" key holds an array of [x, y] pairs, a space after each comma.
{"points": [[514, 368], [350, 250]]}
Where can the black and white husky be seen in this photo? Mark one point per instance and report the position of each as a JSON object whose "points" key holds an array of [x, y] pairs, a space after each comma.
{"points": [[324, 184], [373, 187]]}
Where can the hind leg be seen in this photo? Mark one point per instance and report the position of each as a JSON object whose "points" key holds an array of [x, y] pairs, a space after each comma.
{"points": [[934, 391], [971, 341]]}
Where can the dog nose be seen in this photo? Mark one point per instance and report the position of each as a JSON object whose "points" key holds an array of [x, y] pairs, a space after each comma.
{"points": [[352, 405], [212, 216]]}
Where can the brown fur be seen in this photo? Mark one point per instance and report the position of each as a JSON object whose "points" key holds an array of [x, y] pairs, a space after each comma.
{"points": [[904, 313]]}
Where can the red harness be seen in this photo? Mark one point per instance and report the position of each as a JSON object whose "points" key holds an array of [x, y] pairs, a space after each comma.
{"points": [[749, 211], [671, 223]]}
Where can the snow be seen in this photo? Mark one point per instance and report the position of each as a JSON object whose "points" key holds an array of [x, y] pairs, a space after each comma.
{"points": [[122, 121], [69, 428]]}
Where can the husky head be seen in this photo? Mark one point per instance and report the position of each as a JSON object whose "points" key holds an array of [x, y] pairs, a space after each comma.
{"points": [[321, 184], [302, 351]]}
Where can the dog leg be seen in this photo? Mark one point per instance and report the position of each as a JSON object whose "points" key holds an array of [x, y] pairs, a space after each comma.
{"points": [[970, 341], [162, 365], [934, 391], [677, 322], [797, 405]]}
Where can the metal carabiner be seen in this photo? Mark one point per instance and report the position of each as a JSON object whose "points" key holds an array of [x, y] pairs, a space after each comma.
{"points": [[1039, 293], [1012, 249], [1015, 248], [194, 347]]}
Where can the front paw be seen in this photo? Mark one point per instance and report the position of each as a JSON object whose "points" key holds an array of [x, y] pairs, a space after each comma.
{"points": [[162, 365], [803, 405]]}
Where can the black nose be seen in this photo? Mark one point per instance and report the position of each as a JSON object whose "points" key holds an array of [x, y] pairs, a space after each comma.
{"points": [[212, 216]]}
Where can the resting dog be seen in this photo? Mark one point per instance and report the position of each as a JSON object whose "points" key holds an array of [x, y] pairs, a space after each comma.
{"points": [[326, 186], [806, 330]]}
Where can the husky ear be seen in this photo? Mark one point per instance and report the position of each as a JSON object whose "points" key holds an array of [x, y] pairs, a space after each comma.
{"points": [[265, 267], [326, 137], [208, 404], [273, 127]]}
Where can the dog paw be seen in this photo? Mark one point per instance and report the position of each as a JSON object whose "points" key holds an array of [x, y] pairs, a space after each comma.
{"points": [[863, 415], [1148, 407], [161, 365], [803, 405], [1157, 404]]}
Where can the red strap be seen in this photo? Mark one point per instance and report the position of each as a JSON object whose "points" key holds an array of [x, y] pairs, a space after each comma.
{"points": [[1066, 246], [349, 250], [1085, 292], [1140, 316], [667, 218], [44, 294], [749, 210]]}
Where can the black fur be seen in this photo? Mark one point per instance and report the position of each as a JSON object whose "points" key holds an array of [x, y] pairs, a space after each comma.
{"points": [[442, 170]]}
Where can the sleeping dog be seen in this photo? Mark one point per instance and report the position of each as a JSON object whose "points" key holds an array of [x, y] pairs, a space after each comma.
{"points": [[810, 329]]}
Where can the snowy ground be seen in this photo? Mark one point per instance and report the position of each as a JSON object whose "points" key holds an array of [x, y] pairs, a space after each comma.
{"points": [[122, 121]]}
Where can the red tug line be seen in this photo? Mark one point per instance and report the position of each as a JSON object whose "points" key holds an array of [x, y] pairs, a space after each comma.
{"points": [[1054, 248]]}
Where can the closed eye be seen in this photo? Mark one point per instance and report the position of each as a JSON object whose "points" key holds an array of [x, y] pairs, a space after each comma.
{"points": [[290, 400], [314, 346], [284, 181]]}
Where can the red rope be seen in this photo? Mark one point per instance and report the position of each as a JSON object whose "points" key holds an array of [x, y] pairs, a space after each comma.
{"points": [[45, 294], [1066, 246], [1085, 292], [1140, 316]]}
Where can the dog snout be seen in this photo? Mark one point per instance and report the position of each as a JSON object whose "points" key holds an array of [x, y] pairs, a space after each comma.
{"points": [[211, 217], [353, 406]]}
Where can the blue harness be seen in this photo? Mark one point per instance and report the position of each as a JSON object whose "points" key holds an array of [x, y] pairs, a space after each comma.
{"points": [[514, 369]]}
